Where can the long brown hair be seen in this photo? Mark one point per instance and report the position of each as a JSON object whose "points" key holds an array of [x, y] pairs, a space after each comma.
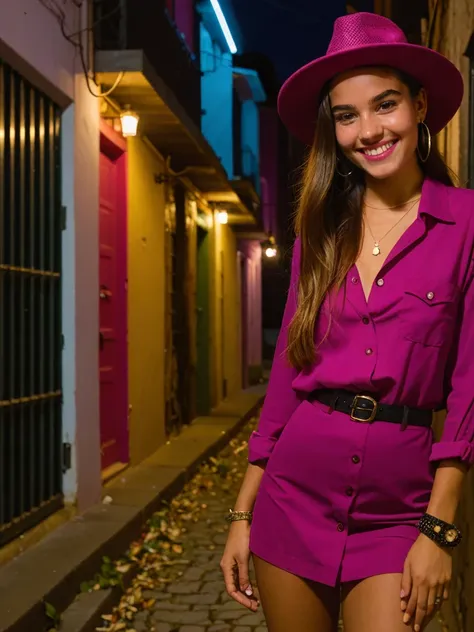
{"points": [[329, 223]]}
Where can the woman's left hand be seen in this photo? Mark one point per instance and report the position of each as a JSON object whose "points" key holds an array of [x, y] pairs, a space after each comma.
{"points": [[425, 581]]}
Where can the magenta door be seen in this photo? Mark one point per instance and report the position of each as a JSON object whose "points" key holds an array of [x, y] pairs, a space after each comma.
{"points": [[113, 303]]}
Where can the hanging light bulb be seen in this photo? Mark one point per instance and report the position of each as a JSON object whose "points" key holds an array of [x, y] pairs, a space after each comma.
{"points": [[129, 120]]}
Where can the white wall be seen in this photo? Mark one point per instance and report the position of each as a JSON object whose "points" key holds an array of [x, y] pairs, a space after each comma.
{"points": [[31, 42], [86, 228]]}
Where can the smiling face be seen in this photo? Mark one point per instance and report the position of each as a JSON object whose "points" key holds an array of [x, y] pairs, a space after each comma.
{"points": [[376, 120]]}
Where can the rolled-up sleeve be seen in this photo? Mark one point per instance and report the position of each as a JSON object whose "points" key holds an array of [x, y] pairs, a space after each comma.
{"points": [[457, 440], [281, 400]]}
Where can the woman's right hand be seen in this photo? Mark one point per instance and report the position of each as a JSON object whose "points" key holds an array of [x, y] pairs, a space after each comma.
{"points": [[235, 565]]}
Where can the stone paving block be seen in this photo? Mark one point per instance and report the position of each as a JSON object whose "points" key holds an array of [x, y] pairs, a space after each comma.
{"points": [[212, 587], [171, 616], [184, 588], [231, 615], [225, 597], [194, 573], [167, 605], [202, 599], [256, 618], [162, 627], [141, 618], [157, 596], [213, 576], [230, 605]]}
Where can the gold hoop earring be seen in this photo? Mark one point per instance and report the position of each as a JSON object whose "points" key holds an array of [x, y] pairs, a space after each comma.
{"points": [[424, 130], [343, 175]]}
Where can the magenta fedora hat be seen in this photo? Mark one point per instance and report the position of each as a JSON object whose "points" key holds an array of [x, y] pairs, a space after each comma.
{"points": [[367, 39]]}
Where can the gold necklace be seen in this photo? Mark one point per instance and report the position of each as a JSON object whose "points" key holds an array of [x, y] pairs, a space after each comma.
{"points": [[376, 249], [389, 208]]}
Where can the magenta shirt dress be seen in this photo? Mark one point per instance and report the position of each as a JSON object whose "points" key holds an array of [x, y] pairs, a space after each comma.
{"points": [[339, 500]]}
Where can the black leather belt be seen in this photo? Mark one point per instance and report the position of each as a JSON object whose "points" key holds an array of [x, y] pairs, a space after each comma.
{"points": [[365, 409]]}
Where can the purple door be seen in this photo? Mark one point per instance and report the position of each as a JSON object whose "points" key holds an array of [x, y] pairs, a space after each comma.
{"points": [[113, 302]]}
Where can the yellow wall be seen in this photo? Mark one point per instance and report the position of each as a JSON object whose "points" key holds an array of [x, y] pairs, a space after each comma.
{"points": [[452, 30], [191, 293], [225, 320], [383, 7], [146, 300]]}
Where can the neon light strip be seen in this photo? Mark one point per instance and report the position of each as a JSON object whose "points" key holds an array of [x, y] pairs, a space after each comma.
{"points": [[224, 26]]}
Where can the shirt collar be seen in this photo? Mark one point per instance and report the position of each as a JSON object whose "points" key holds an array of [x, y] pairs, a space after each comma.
{"points": [[435, 201]]}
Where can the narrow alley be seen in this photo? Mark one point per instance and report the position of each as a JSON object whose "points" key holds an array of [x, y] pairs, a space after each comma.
{"points": [[181, 588]]}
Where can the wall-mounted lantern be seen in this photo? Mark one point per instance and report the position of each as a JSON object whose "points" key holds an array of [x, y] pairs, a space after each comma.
{"points": [[129, 121], [222, 217], [269, 247]]}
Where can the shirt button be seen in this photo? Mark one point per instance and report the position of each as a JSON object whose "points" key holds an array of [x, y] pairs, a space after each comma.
{"points": [[340, 526], [369, 351], [355, 459], [355, 280], [380, 282], [366, 320], [430, 296], [349, 491]]}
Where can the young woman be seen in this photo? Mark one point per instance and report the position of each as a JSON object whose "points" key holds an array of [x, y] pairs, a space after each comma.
{"points": [[349, 500]]}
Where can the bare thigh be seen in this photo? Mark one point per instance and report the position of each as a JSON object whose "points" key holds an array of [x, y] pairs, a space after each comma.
{"points": [[292, 603], [373, 605]]}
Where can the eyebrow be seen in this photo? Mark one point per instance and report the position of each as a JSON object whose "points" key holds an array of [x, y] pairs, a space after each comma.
{"points": [[373, 100]]}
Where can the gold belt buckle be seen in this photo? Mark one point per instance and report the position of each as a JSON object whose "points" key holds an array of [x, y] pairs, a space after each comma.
{"points": [[355, 407]]}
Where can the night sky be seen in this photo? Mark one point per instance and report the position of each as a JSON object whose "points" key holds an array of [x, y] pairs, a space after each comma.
{"points": [[290, 32]]}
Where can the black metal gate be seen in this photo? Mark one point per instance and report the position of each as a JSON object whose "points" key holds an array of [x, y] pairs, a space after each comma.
{"points": [[30, 306]]}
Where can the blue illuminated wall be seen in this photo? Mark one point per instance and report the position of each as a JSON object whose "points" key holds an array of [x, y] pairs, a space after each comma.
{"points": [[250, 142], [217, 106]]}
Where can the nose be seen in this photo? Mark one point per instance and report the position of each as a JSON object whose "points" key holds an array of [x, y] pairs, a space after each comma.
{"points": [[371, 130]]}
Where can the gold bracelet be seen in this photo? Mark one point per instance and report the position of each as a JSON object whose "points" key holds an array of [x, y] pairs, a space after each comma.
{"points": [[233, 516]]}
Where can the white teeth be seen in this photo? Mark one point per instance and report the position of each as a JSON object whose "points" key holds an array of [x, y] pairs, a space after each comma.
{"points": [[379, 150]]}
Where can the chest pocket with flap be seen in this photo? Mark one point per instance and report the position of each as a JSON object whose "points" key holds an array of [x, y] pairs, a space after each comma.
{"points": [[428, 311]]}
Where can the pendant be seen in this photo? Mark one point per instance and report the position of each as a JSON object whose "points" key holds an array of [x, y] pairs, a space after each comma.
{"points": [[376, 250]]}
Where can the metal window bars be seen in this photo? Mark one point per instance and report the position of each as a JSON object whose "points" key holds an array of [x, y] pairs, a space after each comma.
{"points": [[30, 306]]}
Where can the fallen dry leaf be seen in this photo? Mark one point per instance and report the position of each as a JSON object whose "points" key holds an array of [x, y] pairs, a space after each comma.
{"points": [[160, 546]]}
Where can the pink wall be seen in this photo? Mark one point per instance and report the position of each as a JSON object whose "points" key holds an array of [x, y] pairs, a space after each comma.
{"points": [[253, 325], [184, 18]]}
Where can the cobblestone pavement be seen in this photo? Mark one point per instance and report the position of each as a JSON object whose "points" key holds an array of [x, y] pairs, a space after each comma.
{"points": [[195, 599]]}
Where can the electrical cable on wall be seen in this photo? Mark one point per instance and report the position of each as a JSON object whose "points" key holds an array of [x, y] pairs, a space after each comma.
{"points": [[53, 7]]}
